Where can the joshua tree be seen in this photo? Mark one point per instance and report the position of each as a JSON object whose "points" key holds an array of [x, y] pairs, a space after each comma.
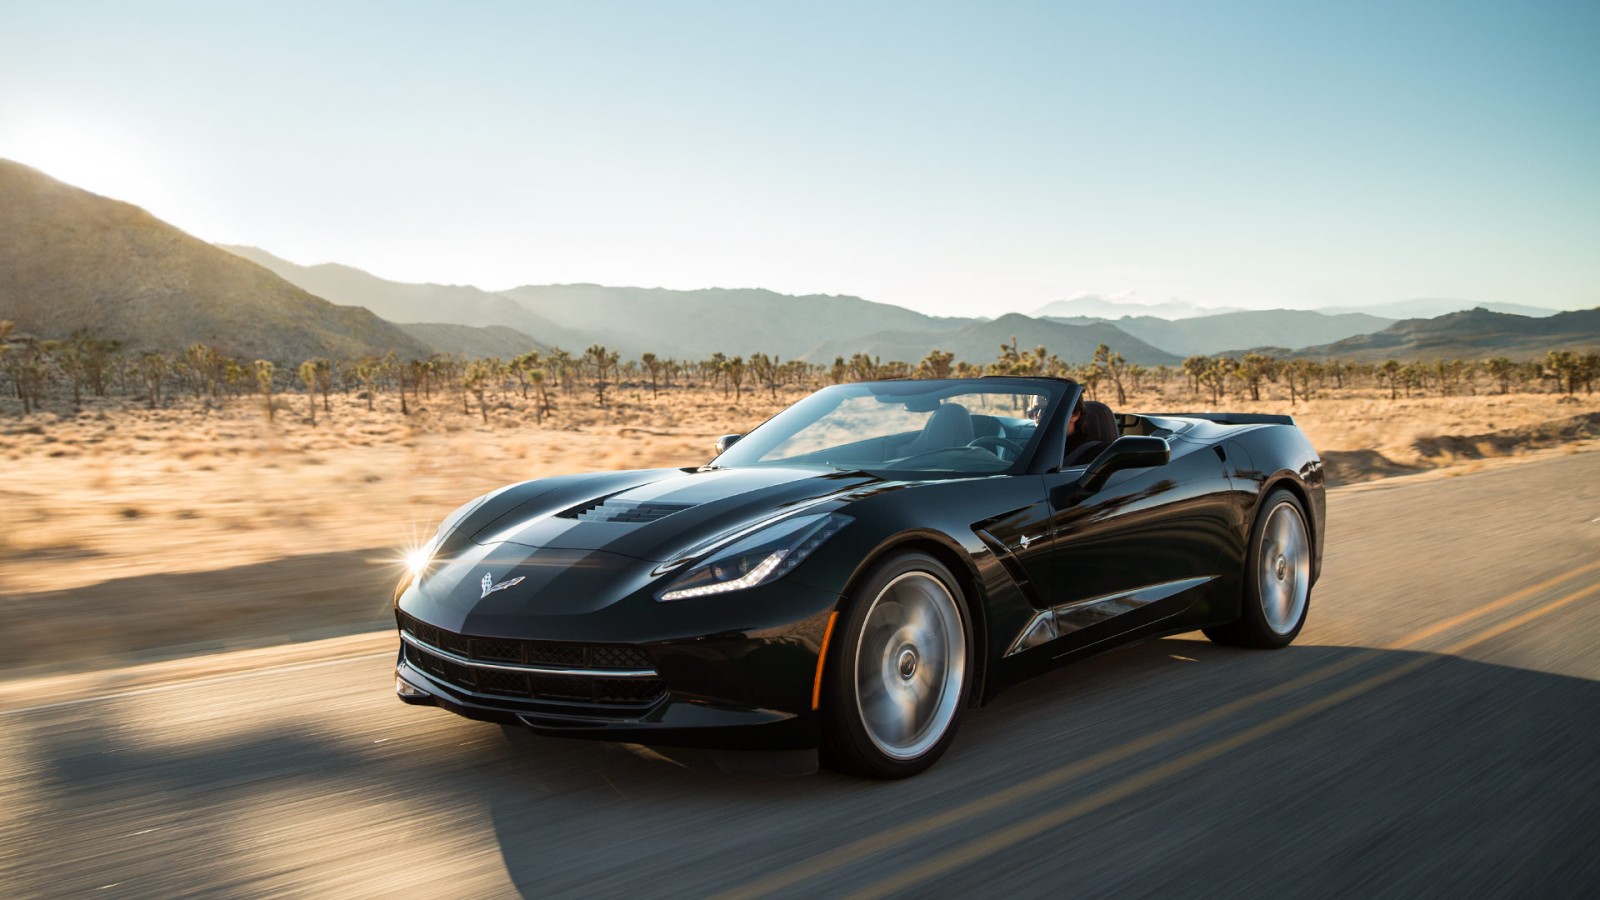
{"points": [[153, 367], [936, 364], [1115, 367], [26, 362], [366, 371], [864, 367], [542, 407], [1567, 368], [1502, 370], [478, 379], [521, 366], [1194, 367], [69, 362], [264, 372], [1390, 372], [5, 349], [1255, 367], [735, 369], [1089, 377], [654, 367], [838, 372], [1216, 376], [308, 377], [1009, 360], [602, 363], [766, 369]]}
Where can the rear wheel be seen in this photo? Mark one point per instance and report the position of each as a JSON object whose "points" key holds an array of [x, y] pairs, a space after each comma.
{"points": [[897, 679], [1277, 578]]}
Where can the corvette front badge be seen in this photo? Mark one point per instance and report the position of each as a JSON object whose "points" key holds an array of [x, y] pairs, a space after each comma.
{"points": [[490, 587]]}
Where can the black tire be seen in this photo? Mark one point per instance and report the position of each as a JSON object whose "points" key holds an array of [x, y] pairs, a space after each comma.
{"points": [[1277, 578], [899, 670]]}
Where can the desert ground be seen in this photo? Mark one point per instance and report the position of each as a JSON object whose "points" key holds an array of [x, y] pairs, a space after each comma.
{"points": [[131, 534]]}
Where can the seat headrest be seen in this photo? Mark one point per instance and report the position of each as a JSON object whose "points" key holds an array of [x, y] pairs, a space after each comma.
{"points": [[1098, 422], [949, 426]]}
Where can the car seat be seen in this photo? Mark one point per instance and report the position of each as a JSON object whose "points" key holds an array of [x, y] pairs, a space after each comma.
{"points": [[950, 426], [1097, 428]]}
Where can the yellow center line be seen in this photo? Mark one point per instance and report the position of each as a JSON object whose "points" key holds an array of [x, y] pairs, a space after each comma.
{"points": [[1038, 824], [866, 847], [1409, 641]]}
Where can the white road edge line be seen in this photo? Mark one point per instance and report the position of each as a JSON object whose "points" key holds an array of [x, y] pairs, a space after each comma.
{"points": [[198, 682]]}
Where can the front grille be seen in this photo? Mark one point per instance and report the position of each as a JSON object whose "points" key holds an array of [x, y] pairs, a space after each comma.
{"points": [[611, 694], [560, 654]]}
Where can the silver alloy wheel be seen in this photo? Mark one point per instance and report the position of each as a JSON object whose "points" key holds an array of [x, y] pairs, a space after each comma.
{"points": [[1283, 568], [911, 660]]}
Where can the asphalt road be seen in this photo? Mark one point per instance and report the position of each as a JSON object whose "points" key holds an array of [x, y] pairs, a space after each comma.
{"points": [[1434, 732]]}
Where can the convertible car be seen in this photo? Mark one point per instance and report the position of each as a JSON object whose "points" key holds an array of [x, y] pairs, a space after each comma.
{"points": [[860, 568]]}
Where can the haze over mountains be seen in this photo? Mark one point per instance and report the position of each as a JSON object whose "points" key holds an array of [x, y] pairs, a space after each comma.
{"points": [[70, 259], [1093, 306], [980, 340], [454, 304], [1243, 330], [696, 324]]}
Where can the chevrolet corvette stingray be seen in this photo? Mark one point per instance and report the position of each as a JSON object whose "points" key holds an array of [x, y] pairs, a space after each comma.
{"points": [[857, 570]]}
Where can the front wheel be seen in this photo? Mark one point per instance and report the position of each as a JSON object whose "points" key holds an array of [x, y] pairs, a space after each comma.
{"points": [[897, 679], [1277, 578]]}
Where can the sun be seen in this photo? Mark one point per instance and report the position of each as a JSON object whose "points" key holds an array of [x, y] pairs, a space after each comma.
{"points": [[92, 154]]}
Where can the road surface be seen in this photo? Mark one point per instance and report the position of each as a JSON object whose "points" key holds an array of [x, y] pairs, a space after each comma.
{"points": [[1434, 732]]}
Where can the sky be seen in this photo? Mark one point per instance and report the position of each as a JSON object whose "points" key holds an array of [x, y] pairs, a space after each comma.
{"points": [[955, 158]]}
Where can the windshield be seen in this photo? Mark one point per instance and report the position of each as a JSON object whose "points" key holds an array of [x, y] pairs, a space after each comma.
{"points": [[975, 427]]}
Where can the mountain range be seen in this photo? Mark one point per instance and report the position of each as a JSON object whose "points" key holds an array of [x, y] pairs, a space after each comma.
{"points": [[980, 341], [1473, 334], [1243, 330], [452, 304], [73, 260], [1094, 306]]}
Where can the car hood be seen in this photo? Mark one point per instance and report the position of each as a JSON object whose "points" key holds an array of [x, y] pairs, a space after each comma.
{"points": [[657, 515], [564, 550]]}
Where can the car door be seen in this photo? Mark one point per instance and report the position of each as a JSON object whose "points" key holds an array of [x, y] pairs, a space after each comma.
{"points": [[1147, 545]]}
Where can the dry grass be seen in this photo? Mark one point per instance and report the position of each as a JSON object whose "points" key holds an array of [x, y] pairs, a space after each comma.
{"points": [[119, 491], [92, 505]]}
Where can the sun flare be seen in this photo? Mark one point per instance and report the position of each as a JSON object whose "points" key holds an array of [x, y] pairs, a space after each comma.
{"points": [[95, 155]]}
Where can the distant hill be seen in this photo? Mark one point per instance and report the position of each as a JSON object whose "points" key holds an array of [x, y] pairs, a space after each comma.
{"points": [[473, 341], [696, 324], [1097, 307], [1206, 335], [979, 342], [1474, 334], [70, 259], [405, 303], [1433, 307]]}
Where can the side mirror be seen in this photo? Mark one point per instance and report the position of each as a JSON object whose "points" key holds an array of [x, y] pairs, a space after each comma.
{"points": [[1129, 452], [726, 441]]}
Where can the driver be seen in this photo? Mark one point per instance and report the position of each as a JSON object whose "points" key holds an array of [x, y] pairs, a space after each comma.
{"points": [[1036, 413]]}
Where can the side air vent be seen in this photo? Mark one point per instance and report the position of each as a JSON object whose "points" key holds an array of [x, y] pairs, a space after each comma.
{"points": [[627, 512]]}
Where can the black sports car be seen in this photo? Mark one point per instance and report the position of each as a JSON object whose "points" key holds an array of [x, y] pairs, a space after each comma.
{"points": [[861, 567]]}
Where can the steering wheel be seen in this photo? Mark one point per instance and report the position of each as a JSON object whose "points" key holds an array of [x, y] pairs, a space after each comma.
{"points": [[993, 443]]}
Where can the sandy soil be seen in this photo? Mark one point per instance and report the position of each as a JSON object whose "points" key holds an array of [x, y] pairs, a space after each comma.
{"points": [[126, 532]]}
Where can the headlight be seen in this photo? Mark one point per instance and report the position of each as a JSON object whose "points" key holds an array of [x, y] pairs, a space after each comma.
{"points": [[767, 555], [418, 560]]}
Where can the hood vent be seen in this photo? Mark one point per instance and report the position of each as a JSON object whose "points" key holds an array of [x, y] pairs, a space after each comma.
{"points": [[627, 512]]}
